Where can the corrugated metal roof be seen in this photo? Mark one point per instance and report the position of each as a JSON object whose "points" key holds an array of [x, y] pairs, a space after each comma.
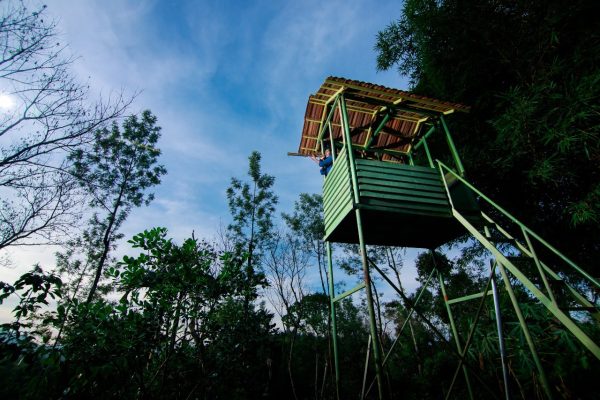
{"points": [[367, 104]]}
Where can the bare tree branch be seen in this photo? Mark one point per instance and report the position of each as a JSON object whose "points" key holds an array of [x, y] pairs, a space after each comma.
{"points": [[49, 115]]}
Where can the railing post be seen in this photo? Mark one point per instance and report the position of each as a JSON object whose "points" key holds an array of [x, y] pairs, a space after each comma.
{"points": [[539, 266], [333, 321]]}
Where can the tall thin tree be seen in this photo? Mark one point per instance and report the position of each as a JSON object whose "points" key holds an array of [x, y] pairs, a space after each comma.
{"points": [[251, 205], [118, 171]]}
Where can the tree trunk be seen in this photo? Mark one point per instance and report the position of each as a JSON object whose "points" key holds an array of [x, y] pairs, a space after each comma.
{"points": [[106, 243], [290, 364], [175, 323], [64, 321]]}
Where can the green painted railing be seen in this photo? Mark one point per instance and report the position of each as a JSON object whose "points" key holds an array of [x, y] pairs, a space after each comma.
{"points": [[522, 226], [548, 298]]}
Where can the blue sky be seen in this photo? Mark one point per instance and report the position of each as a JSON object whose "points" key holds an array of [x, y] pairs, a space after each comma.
{"points": [[224, 78]]}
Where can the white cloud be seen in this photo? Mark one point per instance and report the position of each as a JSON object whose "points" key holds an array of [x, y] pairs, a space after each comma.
{"points": [[223, 80]]}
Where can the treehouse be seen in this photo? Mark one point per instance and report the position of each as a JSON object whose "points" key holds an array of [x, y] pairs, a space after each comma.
{"points": [[377, 136]]}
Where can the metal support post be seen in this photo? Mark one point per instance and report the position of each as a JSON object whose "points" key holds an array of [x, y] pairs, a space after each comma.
{"points": [[526, 333], [471, 333], [459, 166], [364, 384], [499, 328], [454, 330], [348, 144], [428, 153], [372, 320], [333, 322], [363, 248], [331, 143]]}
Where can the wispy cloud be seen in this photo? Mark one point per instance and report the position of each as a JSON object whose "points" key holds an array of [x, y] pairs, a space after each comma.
{"points": [[223, 78]]}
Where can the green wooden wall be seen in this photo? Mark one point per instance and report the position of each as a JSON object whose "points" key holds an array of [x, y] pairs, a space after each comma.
{"points": [[402, 205], [401, 188], [337, 193]]}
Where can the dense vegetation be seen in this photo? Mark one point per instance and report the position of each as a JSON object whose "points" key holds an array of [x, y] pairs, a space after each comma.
{"points": [[236, 318], [529, 69]]}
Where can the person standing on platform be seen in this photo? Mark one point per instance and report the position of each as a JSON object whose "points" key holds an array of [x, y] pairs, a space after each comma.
{"points": [[325, 162]]}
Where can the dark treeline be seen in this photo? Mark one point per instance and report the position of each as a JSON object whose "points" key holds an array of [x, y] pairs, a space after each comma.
{"points": [[529, 70], [236, 317]]}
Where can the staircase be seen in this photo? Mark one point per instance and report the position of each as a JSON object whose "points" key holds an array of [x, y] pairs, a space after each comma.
{"points": [[547, 283]]}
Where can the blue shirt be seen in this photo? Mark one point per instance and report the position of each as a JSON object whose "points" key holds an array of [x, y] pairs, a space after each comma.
{"points": [[326, 165]]}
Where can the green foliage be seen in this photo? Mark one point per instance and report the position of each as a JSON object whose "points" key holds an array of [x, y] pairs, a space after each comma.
{"points": [[426, 262], [311, 314], [307, 220], [179, 329], [252, 205], [529, 71], [117, 171], [27, 365], [34, 289], [121, 164]]}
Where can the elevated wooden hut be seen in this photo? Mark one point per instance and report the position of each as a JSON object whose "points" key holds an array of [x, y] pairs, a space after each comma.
{"points": [[373, 132]]}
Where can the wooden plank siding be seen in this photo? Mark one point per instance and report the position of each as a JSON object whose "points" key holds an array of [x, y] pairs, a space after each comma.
{"points": [[402, 205], [401, 188], [337, 193]]}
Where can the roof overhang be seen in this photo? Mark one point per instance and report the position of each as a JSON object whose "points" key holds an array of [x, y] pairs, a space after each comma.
{"points": [[381, 119]]}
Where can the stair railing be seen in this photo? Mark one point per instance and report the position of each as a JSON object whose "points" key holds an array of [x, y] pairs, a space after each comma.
{"points": [[527, 249]]}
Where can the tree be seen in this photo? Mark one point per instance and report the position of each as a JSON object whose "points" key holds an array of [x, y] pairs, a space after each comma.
{"points": [[529, 71], [308, 223], [24, 356], [251, 205], [118, 170], [286, 265], [47, 115]]}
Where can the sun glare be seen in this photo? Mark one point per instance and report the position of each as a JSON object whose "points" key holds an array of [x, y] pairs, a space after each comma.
{"points": [[6, 102]]}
